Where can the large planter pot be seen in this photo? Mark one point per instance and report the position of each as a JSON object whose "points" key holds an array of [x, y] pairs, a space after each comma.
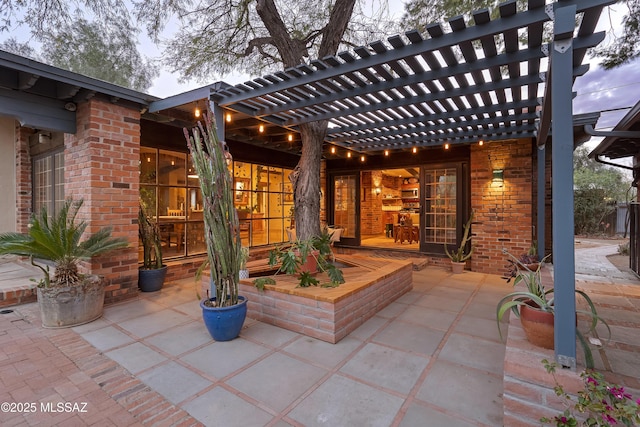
{"points": [[537, 325], [64, 307], [224, 323], [151, 280], [310, 264], [457, 267]]}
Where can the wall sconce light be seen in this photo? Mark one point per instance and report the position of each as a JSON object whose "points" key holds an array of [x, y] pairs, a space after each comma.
{"points": [[498, 176], [44, 137]]}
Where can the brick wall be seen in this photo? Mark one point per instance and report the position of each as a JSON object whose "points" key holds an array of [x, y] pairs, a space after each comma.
{"points": [[24, 189], [101, 166], [503, 213]]}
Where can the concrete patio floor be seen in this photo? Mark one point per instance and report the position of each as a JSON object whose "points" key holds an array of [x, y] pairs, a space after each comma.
{"points": [[431, 358]]}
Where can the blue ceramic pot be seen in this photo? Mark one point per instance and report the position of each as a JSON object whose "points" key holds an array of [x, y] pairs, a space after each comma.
{"points": [[225, 323], [151, 280]]}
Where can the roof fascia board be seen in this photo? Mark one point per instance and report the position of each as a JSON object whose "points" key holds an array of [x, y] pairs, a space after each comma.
{"points": [[523, 19], [37, 112], [27, 65], [185, 98]]}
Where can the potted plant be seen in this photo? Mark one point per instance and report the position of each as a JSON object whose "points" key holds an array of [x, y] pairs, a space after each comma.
{"points": [[460, 256], [69, 298], [224, 311], [530, 259], [305, 258], [152, 272], [599, 403], [535, 307]]}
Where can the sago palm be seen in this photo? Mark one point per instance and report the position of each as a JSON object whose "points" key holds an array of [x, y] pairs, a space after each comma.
{"points": [[57, 239]]}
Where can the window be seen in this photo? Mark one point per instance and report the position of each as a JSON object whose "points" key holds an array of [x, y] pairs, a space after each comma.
{"points": [[264, 199], [170, 185], [48, 182]]}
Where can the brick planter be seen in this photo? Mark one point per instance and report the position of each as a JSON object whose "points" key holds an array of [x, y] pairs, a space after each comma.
{"points": [[330, 314]]}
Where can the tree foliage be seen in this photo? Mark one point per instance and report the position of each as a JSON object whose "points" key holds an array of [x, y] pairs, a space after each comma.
{"points": [[597, 188], [624, 46], [101, 51], [104, 47]]}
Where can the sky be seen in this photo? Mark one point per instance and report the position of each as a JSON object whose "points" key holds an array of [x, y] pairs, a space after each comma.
{"points": [[611, 91]]}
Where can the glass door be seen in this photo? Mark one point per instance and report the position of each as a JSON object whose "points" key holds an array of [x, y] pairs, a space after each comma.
{"points": [[344, 207]]}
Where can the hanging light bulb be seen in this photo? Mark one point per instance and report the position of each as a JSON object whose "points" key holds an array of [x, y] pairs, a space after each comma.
{"points": [[349, 154], [414, 150], [481, 143], [446, 146], [197, 112], [261, 128], [290, 137], [362, 158], [228, 117], [333, 150], [386, 153]]}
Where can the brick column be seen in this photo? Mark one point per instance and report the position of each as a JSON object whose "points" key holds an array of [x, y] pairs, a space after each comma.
{"points": [[101, 166], [503, 213], [24, 188]]}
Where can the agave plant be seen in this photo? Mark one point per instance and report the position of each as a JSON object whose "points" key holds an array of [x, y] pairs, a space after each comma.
{"points": [[58, 239]]}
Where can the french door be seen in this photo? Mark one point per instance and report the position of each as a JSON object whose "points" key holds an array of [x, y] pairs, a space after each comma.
{"points": [[344, 193]]}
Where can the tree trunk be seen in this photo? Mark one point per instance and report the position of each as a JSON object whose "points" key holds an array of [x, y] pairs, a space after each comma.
{"points": [[306, 180]]}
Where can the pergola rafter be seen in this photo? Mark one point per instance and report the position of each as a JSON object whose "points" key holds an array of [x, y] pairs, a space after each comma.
{"points": [[482, 78]]}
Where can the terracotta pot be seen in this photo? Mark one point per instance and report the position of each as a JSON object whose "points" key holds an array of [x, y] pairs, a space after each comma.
{"points": [[537, 325], [457, 267], [310, 264]]}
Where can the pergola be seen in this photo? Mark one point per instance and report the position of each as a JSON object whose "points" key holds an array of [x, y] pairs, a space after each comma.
{"points": [[497, 79]]}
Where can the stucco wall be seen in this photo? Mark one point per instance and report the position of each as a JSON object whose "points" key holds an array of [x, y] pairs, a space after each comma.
{"points": [[7, 175]]}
